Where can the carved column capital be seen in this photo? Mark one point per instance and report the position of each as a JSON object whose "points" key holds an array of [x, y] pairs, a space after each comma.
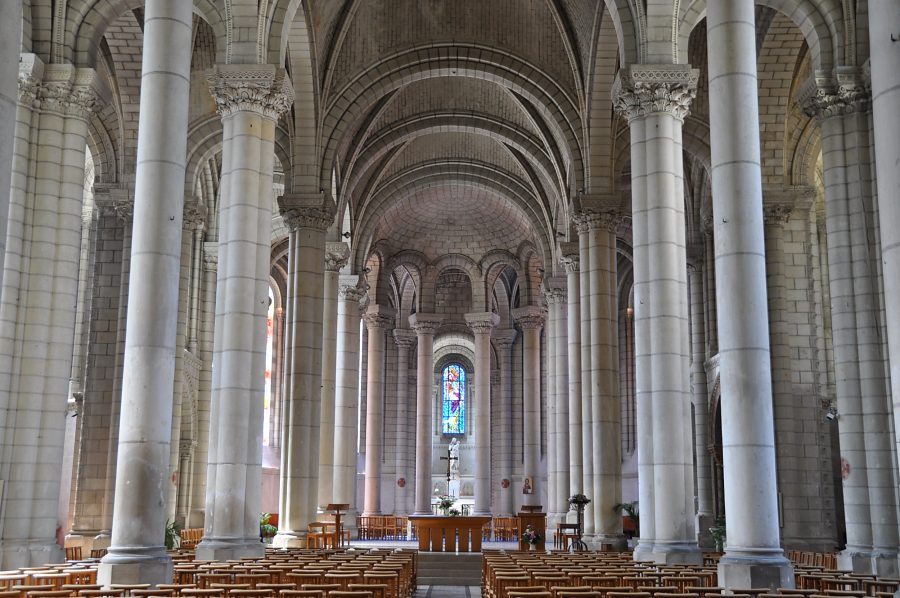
{"points": [[261, 88], [825, 97], [404, 338], [642, 89], [307, 210], [530, 317], [195, 214], [379, 317], [114, 201], [351, 287], [211, 256], [554, 291], [425, 324], [569, 257], [596, 212], [482, 323], [336, 256], [503, 338], [68, 91]]}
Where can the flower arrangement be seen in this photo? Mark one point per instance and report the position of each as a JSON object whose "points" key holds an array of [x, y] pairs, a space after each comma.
{"points": [[577, 500], [454, 512], [531, 535], [445, 503]]}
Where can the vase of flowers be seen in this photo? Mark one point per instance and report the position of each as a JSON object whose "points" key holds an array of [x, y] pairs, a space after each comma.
{"points": [[445, 503], [531, 537]]}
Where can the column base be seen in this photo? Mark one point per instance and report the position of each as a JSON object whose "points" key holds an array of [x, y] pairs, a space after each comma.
{"points": [[289, 540], [742, 572], [885, 564], [643, 550], [127, 566], [221, 549], [704, 538], [607, 542], [30, 553], [676, 553], [857, 560]]}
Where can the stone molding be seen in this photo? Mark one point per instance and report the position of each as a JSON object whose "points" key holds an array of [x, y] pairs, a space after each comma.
{"points": [[186, 448], [379, 317], [211, 256], [530, 317], [482, 322], [779, 203], [847, 93], [404, 337], [307, 210], [643, 89], [425, 323], [336, 256], [351, 287], [260, 88], [696, 257]]}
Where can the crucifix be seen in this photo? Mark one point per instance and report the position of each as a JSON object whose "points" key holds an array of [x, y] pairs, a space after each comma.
{"points": [[452, 455]]}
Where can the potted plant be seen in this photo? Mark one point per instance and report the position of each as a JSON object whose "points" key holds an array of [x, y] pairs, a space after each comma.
{"points": [[531, 536], [173, 535], [631, 511], [266, 529], [718, 534], [445, 503], [454, 512]]}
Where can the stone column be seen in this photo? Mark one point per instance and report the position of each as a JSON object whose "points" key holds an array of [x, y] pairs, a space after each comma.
{"points": [[405, 339], [425, 326], [346, 425], [841, 109], [700, 399], [336, 256], [531, 320], [596, 219], [655, 100], [569, 260], [503, 341], [884, 29], [10, 46], [185, 459], [753, 555], [586, 400], [137, 553], [554, 292], [378, 319], [308, 216], [249, 99], [481, 325]]}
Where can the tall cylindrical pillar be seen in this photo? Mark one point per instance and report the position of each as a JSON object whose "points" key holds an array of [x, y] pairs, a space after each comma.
{"points": [[569, 260], [425, 326], [404, 339], [753, 555], [558, 386], [308, 216], [481, 325], [378, 319], [503, 340], [531, 320], [137, 553], [700, 399]]}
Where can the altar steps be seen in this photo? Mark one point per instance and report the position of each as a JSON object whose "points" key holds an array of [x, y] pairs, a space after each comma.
{"points": [[448, 569]]}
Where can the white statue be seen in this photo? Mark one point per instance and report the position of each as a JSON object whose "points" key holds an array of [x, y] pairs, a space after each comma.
{"points": [[453, 453]]}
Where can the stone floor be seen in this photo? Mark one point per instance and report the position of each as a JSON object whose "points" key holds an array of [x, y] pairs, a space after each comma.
{"points": [[448, 592]]}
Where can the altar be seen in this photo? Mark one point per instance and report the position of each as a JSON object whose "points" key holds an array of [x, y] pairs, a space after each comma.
{"points": [[449, 534]]}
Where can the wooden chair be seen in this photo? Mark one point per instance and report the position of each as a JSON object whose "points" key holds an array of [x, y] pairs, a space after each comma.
{"points": [[98, 593], [350, 594], [378, 590], [301, 594], [325, 588], [203, 592], [251, 593]]}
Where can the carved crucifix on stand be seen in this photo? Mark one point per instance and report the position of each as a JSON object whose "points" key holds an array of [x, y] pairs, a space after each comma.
{"points": [[452, 451]]}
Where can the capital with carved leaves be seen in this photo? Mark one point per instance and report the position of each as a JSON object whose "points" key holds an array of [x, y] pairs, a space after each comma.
{"points": [[482, 322], [503, 338], [569, 256], [643, 89], [530, 317], [67, 90], [597, 212], [425, 324], [379, 317], [554, 291], [336, 256], [307, 210], [261, 88], [824, 97], [404, 338]]}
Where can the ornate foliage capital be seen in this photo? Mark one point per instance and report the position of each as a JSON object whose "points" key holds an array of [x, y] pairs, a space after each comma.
{"points": [[780, 202], [554, 291], [425, 323], [114, 201], [67, 91], [211, 256], [404, 338], [379, 317], [195, 213], [569, 257], [596, 212], [261, 88], [642, 89], [823, 97], [530, 317], [482, 323], [351, 287], [503, 338], [336, 256], [307, 210]]}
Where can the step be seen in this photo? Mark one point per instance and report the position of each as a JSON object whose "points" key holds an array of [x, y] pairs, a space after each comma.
{"points": [[448, 569]]}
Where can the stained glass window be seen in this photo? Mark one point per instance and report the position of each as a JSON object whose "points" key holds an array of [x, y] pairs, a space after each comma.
{"points": [[453, 400]]}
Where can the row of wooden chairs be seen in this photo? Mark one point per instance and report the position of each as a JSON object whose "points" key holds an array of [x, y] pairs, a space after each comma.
{"points": [[382, 527], [190, 537]]}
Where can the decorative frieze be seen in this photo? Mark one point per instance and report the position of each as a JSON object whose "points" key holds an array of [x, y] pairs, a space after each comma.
{"points": [[68, 91], [260, 88], [195, 213], [642, 89]]}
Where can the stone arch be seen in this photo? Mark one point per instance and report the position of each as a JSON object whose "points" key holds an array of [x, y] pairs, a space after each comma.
{"points": [[532, 263], [492, 265], [377, 276], [600, 175], [454, 261], [821, 27]]}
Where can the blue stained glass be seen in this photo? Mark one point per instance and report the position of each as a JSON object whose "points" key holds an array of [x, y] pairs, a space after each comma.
{"points": [[453, 400]]}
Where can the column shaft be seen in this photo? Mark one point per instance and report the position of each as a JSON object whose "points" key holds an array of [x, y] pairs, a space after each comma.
{"points": [[587, 418], [425, 326], [481, 325], [10, 46], [700, 399], [573, 323], [404, 339], [558, 386], [378, 319], [531, 320], [753, 552], [137, 553], [503, 340]]}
